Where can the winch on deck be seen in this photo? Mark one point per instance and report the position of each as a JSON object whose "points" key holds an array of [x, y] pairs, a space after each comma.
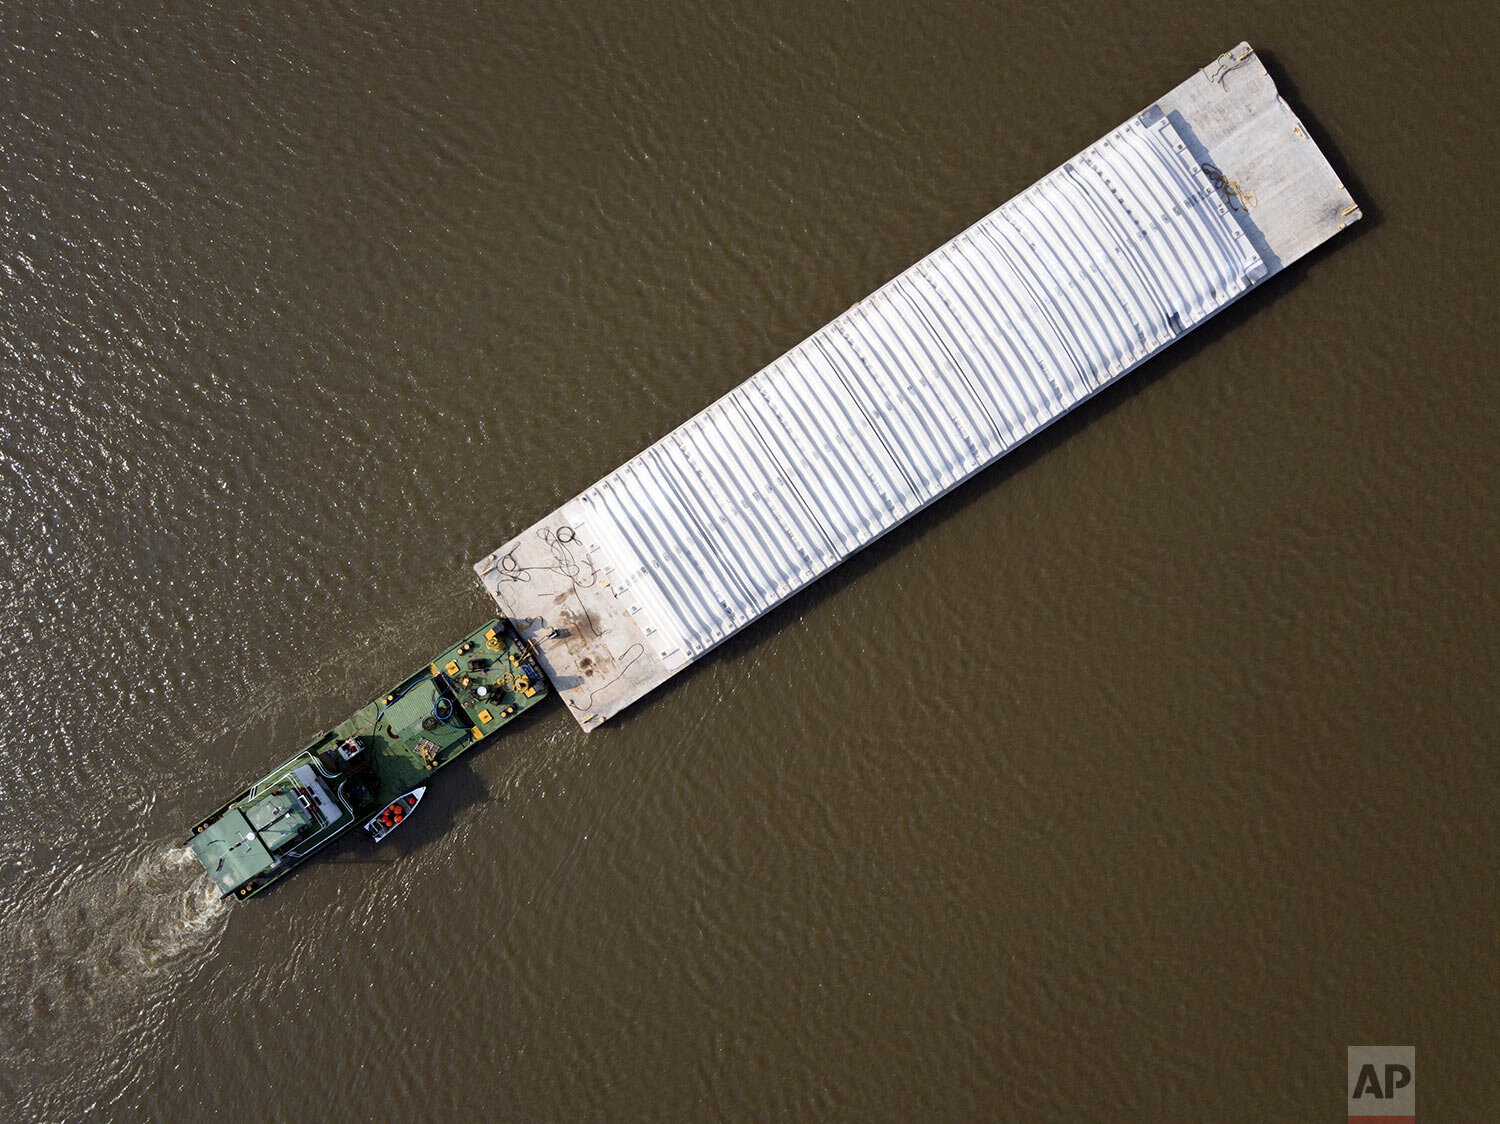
{"points": [[379, 759]]}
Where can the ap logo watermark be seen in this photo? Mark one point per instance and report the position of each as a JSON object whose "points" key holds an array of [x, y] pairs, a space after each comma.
{"points": [[1382, 1084]]}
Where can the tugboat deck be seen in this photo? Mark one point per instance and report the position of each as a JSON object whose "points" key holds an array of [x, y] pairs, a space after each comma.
{"points": [[417, 727]]}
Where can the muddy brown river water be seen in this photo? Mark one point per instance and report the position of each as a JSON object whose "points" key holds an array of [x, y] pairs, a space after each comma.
{"points": [[1190, 786]]}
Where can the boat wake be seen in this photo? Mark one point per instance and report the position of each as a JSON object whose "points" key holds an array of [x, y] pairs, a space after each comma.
{"points": [[90, 967]]}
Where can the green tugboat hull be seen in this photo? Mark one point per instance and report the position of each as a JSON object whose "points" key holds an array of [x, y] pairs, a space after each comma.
{"points": [[385, 751]]}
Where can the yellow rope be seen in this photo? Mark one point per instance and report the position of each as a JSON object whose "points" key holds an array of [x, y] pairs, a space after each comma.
{"points": [[1229, 190]]}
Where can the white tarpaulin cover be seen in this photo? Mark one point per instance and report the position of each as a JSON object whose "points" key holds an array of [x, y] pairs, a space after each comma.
{"points": [[944, 369]]}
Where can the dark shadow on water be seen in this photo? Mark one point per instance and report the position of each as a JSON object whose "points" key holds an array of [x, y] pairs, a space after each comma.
{"points": [[450, 791]]}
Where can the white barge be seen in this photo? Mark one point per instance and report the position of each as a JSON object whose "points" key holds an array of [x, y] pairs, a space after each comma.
{"points": [[1099, 265]]}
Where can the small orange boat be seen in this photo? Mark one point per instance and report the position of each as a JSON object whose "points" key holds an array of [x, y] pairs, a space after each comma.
{"points": [[394, 814]]}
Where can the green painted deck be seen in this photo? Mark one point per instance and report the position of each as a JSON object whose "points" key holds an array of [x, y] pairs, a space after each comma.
{"points": [[468, 692], [229, 850], [432, 716]]}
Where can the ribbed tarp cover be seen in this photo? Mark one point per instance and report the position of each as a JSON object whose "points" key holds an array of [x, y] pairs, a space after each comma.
{"points": [[944, 369]]}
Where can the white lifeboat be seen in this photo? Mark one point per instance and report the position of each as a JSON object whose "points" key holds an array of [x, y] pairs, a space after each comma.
{"points": [[394, 814]]}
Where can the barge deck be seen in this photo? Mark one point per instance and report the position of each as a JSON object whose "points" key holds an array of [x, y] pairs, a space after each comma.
{"points": [[1041, 304]]}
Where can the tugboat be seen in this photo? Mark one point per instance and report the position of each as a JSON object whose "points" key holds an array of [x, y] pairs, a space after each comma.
{"points": [[393, 815], [373, 766]]}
